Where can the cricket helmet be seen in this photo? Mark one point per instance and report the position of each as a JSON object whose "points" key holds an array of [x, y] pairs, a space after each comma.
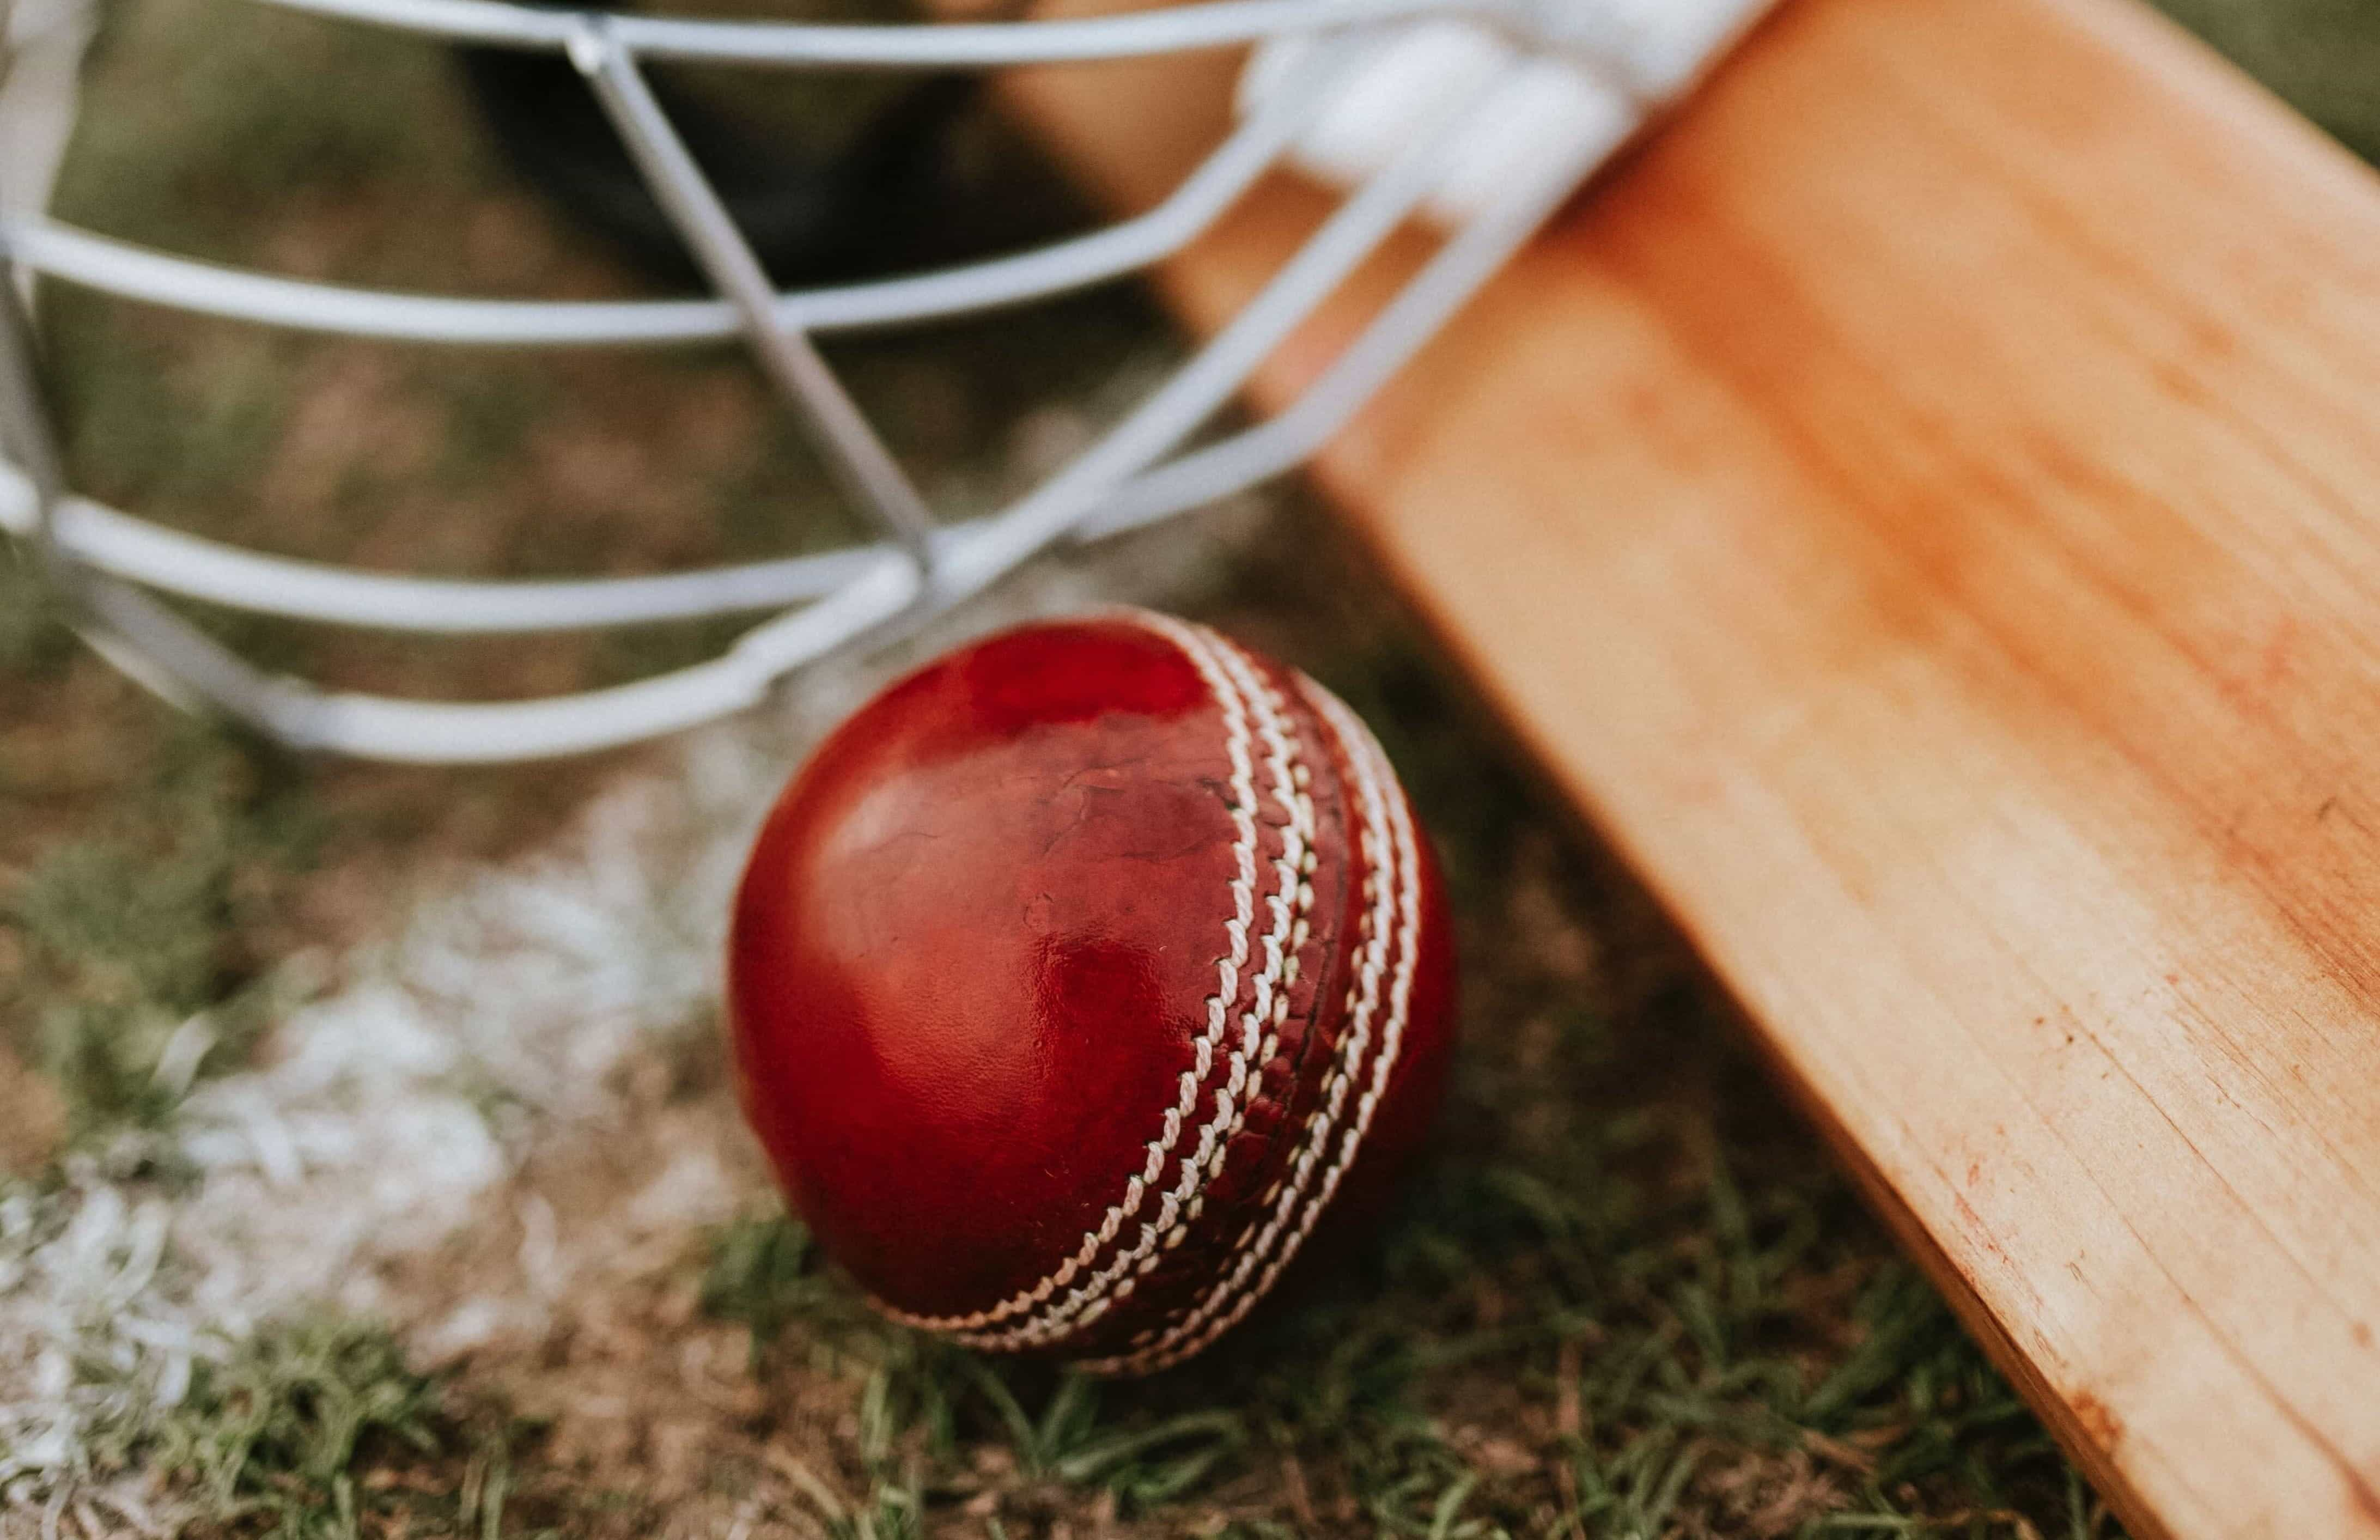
{"points": [[1480, 117]]}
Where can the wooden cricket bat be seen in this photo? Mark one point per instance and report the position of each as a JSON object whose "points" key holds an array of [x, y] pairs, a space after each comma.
{"points": [[1925, 506]]}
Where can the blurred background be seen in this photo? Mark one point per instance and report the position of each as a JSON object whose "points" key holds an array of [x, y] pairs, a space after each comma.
{"points": [[516, 1272]]}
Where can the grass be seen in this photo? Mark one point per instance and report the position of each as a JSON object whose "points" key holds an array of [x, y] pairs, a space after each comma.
{"points": [[142, 927], [316, 1429], [1629, 1297], [2316, 55], [273, 1435]]}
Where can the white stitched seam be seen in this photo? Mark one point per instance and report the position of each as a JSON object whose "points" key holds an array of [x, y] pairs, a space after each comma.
{"points": [[1288, 903], [1395, 906], [1373, 767], [1234, 690], [1363, 995], [1237, 742]]}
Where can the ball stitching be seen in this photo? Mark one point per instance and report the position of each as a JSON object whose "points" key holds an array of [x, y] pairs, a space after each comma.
{"points": [[1229, 680], [1389, 843], [1268, 989]]}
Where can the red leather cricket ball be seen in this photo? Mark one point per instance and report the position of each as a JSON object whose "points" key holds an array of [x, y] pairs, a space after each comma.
{"points": [[1076, 977]]}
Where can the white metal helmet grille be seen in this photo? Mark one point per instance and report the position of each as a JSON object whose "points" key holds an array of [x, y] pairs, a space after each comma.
{"points": [[1480, 114]]}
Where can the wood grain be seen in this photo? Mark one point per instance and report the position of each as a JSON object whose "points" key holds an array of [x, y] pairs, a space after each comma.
{"points": [[1926, 508]]}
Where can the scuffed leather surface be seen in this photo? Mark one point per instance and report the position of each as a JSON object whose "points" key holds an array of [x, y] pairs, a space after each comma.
{"points": [[976, 940]]}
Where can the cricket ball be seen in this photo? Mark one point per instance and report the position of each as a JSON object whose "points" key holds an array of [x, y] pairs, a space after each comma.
{"points": [[1076, 978]]}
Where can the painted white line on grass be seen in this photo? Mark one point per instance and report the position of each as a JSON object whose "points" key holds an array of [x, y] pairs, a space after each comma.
{"points": [[380, 1117]]}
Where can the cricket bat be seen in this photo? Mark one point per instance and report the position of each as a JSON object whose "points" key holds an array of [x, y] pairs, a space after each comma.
{"points": [[1924, 506]]}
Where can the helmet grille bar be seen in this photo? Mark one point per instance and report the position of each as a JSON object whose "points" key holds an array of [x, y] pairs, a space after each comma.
{"points": [[858, 458], [159, 278]]}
